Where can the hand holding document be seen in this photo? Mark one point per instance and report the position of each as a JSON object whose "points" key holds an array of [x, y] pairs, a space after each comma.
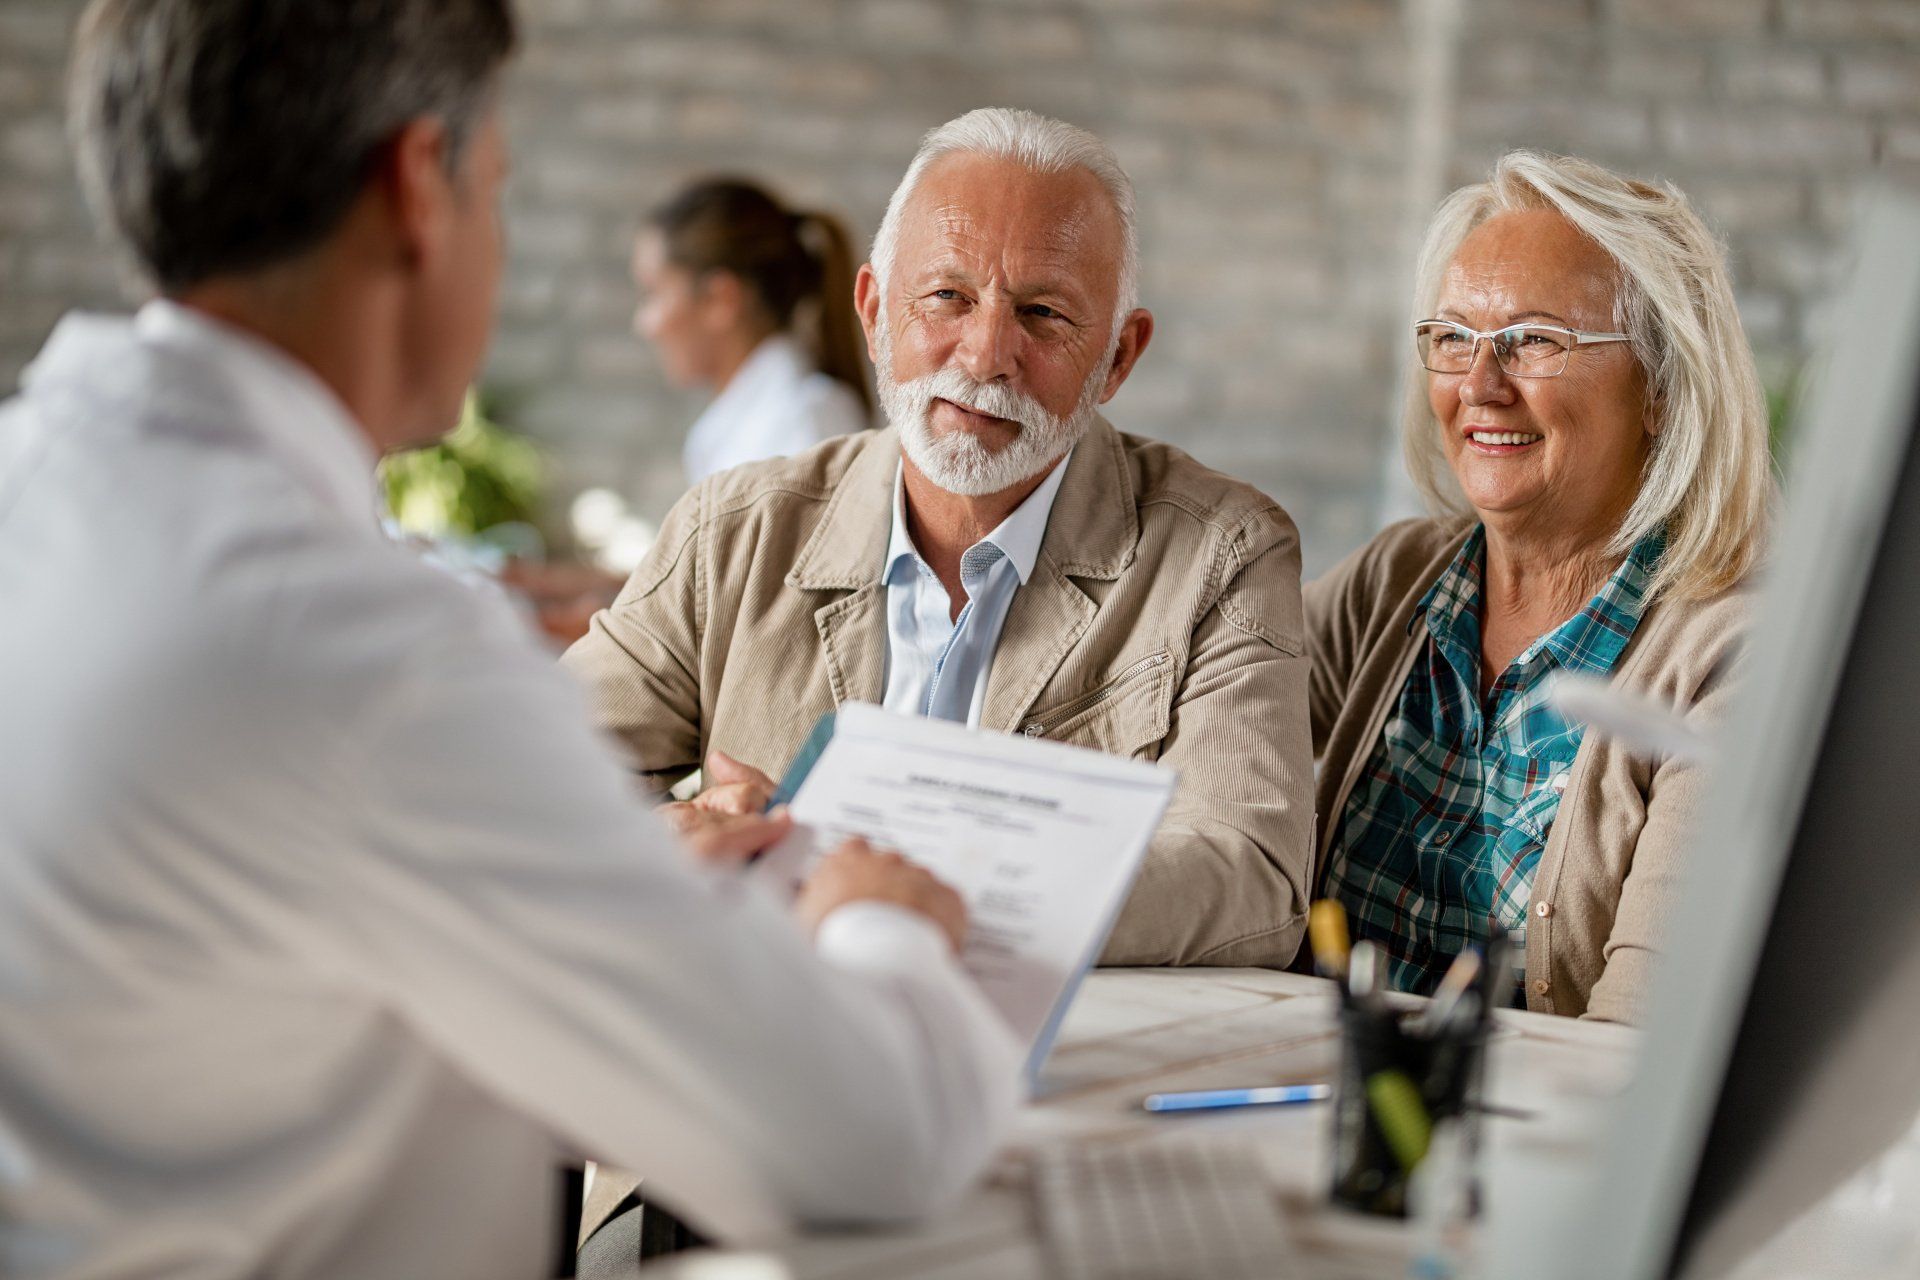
{"points": [[1042, 840], [857, 872]]}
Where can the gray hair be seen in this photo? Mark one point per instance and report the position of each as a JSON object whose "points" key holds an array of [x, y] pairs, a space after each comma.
{"points": [[223, 136], [1708, 479], [1036, 142]]}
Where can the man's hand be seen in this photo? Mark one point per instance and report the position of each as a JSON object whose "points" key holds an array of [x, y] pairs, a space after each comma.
{"points": [[732, 787], [725, 838], [855, 872], [725, 820]]}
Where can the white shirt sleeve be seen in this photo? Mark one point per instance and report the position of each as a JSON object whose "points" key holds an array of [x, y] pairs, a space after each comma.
{"points": [[533, 922]]}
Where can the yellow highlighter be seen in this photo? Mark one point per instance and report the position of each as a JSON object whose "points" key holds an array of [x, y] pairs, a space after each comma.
{"points": [[1327, 932], [1401, 1114]]}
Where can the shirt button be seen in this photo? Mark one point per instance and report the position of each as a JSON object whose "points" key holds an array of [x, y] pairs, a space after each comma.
{"points": [[1541, 986], [1443, 837], [1543, 909]]}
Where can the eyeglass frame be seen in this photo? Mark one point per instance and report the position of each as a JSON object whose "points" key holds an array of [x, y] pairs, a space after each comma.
{"points": [[1580, 337]]}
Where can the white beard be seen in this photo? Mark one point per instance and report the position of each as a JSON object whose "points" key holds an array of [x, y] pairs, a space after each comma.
{"points": [[956, 461]]}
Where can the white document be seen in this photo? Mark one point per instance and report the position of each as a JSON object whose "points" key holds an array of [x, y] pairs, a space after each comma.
{"points": [[1042, 840]]}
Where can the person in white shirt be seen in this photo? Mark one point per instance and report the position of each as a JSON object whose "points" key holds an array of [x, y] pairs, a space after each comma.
{"points": [[753, 301], [327, 926]]}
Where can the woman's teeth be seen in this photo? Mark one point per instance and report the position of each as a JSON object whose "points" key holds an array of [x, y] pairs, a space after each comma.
{"points": [[1502, 437]]}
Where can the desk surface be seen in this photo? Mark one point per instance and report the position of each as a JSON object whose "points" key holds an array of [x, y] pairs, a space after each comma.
{"points": [[1134, 1032]]}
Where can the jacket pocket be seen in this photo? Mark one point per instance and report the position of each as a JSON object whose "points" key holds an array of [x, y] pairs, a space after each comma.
{"points": [[1127, 715]]}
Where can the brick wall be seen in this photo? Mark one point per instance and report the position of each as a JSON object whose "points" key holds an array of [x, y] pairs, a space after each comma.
{"points": [[1771, 114], [1268, 139]]}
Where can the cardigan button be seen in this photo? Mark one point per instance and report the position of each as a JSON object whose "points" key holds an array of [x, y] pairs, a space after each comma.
{"points": [[1541, 986], [1543, 909]]}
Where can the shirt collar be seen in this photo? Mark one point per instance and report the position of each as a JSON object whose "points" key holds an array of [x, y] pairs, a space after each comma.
{"points": [[1454, 596], [1018, 536], [279, 400], [1590, 641]]}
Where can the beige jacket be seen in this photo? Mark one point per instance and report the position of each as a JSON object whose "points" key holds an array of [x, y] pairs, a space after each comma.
{"points": [[1162, 622], [1609, 875]]}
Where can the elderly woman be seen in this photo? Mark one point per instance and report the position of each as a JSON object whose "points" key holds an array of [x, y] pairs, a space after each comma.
{"points": [[1591, 426]]}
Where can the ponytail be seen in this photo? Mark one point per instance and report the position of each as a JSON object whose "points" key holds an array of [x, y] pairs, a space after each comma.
{"points": [[792, 263], [836, 335]]}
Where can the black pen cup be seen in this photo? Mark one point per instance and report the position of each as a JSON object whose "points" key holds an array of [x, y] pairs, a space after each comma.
{"points": [[1397, 1084]]}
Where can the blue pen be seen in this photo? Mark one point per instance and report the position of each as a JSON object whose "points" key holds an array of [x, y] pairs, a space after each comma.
{"points": [[1212, 1099]]}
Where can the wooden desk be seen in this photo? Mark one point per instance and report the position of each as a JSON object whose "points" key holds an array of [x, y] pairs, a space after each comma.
{"points": [[1134, 1032]]}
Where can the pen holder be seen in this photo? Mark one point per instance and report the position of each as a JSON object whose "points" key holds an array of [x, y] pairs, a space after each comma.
{"points": [[1395, 1087]]}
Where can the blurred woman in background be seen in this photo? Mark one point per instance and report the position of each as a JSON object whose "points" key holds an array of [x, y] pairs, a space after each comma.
{"points": [[753, 300]]}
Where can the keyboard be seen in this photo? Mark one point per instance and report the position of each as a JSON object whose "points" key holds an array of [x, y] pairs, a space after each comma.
{"points": [[1167, 1209]]}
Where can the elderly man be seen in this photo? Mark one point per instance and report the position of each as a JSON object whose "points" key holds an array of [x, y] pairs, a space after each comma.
{"points": [[999, 555]]}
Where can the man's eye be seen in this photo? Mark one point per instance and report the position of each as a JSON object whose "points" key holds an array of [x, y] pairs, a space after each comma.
{"points": [[947, 295], [1044, 311]]}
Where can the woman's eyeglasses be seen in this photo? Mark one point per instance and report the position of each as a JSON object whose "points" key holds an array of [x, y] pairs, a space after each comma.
{"points": [[1523, 350]]}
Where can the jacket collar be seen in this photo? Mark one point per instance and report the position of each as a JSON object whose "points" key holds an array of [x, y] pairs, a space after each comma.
{"points": [[1095, 527], [1091, 533]]}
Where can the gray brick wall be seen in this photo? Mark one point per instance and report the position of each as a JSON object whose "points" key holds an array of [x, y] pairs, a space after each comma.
{"points": [[1268, 139], [1771, 114]]}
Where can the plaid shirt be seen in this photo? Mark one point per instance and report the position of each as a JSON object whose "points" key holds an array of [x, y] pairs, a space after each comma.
{"points": [[1444, 830]]}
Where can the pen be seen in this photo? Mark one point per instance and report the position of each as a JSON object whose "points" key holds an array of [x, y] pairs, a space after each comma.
{"points": [[1366, 975], [1401, 1114], [1460, 1018], [1497, 975], [1327, 932], [1214, 1099], [1459, 980]]}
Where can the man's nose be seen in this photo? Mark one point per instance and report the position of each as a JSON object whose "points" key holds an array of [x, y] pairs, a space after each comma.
{"points": [[989, 344], [1485, 382]]}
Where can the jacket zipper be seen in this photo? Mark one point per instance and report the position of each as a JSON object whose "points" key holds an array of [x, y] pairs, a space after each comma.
{"points": [[1036, 728]]}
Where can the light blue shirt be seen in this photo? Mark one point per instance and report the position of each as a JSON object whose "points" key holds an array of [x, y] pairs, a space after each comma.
{"points": [[937, 666]]}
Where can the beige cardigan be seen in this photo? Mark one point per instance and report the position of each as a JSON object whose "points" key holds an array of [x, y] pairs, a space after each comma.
{"points": [[1609, 875]]}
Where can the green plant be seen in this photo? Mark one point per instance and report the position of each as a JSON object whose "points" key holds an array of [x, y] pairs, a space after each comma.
{"points": [[479, 476]]}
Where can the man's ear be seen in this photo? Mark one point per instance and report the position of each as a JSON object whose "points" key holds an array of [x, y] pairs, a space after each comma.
{"points": [[866, 303], [412, 175], [1136, 331]]}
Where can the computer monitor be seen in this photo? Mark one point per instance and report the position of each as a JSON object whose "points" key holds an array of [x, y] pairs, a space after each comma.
{"points": [[1782, 1044]]}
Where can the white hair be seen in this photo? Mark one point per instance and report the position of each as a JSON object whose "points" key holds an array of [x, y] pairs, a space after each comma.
{"points": [[1708, 479], [1038, 143]]}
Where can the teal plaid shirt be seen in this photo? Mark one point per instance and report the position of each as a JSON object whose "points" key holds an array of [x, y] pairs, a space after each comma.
{"points": [[1444, 829]]}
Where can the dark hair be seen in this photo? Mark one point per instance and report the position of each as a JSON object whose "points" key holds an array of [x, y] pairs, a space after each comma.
{"points": [[798, 266], [223, 136]]}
